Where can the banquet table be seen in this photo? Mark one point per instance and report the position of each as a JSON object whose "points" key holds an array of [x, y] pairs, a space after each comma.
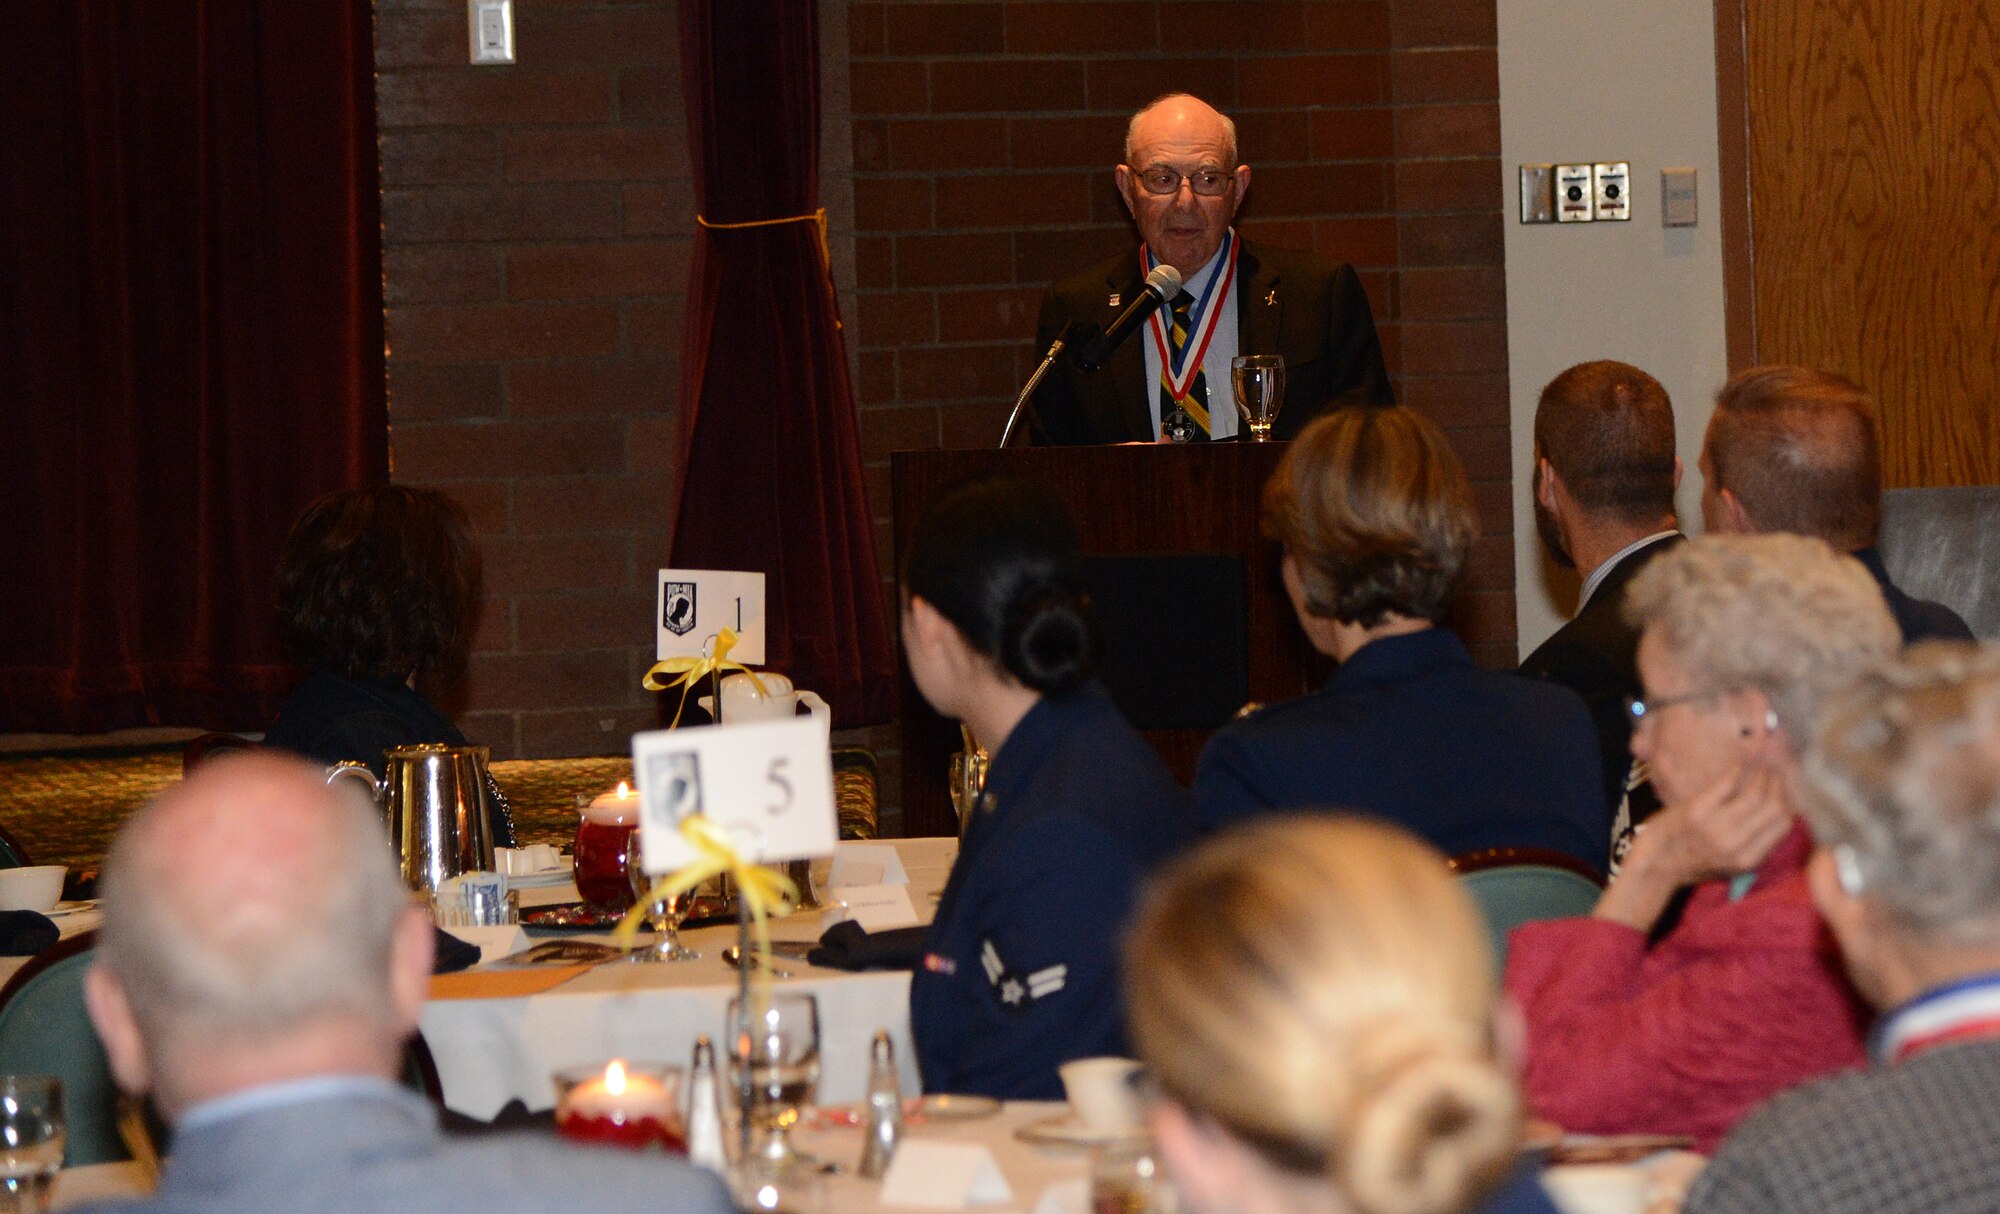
{"points": [[495, 1039], [1043, 1179]]}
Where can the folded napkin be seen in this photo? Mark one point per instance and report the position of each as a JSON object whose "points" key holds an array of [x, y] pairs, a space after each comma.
{"points": [[524, 861], [23, 933], [453, 954], [848, 946]]}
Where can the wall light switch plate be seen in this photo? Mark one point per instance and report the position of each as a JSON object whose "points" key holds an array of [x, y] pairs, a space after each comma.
{"points": [[1677, 199], [1538, 193], [490, 30], [1574, 189], [1614, 191]]}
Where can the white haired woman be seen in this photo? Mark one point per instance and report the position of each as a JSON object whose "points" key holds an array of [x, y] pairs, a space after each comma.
{"points": [[1639, 1021], [1314, 1000]]}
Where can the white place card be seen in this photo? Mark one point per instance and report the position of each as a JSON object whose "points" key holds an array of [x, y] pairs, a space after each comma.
{"points": [[768, 784], [933, 1175], [867, 864], [877, 908], [697, 604]]}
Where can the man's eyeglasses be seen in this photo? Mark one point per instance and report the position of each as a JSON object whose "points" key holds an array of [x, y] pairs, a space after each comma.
{"points": [[1206, 182], [1638, 710]]}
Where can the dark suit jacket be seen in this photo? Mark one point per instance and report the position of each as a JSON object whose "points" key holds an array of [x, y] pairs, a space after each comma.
{"points": [[1411, 729], [1594, 656], [1290, 303], [1919, 619], [359, 1154]]}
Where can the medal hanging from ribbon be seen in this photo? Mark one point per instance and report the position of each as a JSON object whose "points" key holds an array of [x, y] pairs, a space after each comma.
{"points": [[1180, 368]]}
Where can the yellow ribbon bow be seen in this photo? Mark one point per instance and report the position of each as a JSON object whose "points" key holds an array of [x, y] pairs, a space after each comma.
{"points": [[766, 893], [689, 671]]}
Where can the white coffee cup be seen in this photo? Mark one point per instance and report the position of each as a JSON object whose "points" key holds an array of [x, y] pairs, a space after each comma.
{"points": [[1100, 1093], [1596, 1188], [37, 889]]}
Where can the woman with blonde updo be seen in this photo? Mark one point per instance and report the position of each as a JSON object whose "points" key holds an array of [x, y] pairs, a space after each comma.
{"points": [[1314, 998]]}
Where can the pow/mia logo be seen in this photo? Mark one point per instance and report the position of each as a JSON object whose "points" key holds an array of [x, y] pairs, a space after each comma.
{"points": [[1018, 992], [677, 615]]}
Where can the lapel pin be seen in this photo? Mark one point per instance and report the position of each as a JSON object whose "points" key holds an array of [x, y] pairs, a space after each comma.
{"points": [[1114, 301], [1271, 298]]}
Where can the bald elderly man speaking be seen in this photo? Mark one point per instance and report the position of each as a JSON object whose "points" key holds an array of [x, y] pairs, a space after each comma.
{"points": [[1183, 185], [259, 970]]}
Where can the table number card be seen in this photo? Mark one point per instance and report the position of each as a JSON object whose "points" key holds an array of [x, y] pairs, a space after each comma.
{"points": [[769, 784], [696, 604]]}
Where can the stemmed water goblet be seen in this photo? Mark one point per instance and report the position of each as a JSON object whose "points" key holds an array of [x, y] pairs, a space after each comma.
{"points": [[32, 1134], [663, 916], [776, 1041]]}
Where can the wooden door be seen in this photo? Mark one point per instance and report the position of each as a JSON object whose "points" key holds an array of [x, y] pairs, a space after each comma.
{"points": [[1860, 145]]}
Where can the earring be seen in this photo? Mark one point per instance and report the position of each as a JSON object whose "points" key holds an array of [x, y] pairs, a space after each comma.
{"points": [[1770, 720]]}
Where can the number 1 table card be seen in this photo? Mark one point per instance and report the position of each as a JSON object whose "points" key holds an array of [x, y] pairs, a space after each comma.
{"points": [[695, 605]]}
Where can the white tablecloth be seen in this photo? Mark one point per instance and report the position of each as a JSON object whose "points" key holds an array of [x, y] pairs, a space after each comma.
{"points": [[490, 1051]]}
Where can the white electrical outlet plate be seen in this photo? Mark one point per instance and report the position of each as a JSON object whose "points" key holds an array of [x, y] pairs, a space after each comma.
{"points": [[1538, 193], [1678, 207], [1574, 190], [490, 30], [1613, 201]]}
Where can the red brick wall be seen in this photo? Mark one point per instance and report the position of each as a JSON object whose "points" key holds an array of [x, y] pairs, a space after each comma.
{"points": [[984, 135], [536, 224]]}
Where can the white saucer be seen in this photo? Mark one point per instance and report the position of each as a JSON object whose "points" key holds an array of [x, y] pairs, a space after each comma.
{"points": [[540, 879], [1067, 1129], [70, 908]]}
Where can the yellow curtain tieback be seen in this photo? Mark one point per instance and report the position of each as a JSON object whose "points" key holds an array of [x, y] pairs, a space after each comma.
{"points": [[816, 218], [689, 671]]}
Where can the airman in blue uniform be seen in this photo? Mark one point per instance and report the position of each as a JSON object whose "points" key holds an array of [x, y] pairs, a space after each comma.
{"points": [[1020, 971]]}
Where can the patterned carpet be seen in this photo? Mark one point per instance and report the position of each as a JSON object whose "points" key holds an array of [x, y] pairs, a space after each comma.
{"points": [[64, 808]]}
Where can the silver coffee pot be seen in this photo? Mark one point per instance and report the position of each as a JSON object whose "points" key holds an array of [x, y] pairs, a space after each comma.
{"points": [[436, 800]]}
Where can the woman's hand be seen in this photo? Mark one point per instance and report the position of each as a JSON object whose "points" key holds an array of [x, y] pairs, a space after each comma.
{"points": [[1728, 828]]}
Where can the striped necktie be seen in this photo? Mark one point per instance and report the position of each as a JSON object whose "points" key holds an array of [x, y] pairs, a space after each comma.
{"points": [[1184, 421]]}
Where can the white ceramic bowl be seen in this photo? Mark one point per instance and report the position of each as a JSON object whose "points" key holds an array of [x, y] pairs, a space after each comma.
{"points": [[37, 889]]}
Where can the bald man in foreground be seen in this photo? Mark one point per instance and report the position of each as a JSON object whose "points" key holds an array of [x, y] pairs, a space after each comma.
{"points": [[259, 969], [1183, 185]]}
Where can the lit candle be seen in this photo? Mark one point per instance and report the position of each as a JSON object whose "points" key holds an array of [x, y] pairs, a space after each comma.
{"points": [[624, 1106], [615, 808]]}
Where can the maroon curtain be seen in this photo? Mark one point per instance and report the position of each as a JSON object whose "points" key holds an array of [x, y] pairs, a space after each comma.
{"points": [[771, 465], [190, 342]]}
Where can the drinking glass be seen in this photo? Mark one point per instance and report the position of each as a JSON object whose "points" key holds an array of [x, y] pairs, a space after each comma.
{"points": [[1259, 380], [967, 780], [32, 1133], [663, 916], [777, 1042], [1128, 1179]]}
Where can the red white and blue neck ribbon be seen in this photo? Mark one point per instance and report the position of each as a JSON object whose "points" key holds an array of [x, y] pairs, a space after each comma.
{"points": [[1178, 373], [1963, 1011]]}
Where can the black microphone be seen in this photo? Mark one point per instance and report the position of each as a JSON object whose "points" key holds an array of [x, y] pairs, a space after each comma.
{"points": [[1161, 285]]}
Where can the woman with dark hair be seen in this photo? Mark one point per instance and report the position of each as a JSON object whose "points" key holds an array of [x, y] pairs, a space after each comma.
{"points": [[1376, 519], [378, 589], [1019, 973]]}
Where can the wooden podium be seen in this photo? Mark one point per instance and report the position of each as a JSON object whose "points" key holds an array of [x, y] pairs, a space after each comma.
{"points": [[1188, 511]]}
